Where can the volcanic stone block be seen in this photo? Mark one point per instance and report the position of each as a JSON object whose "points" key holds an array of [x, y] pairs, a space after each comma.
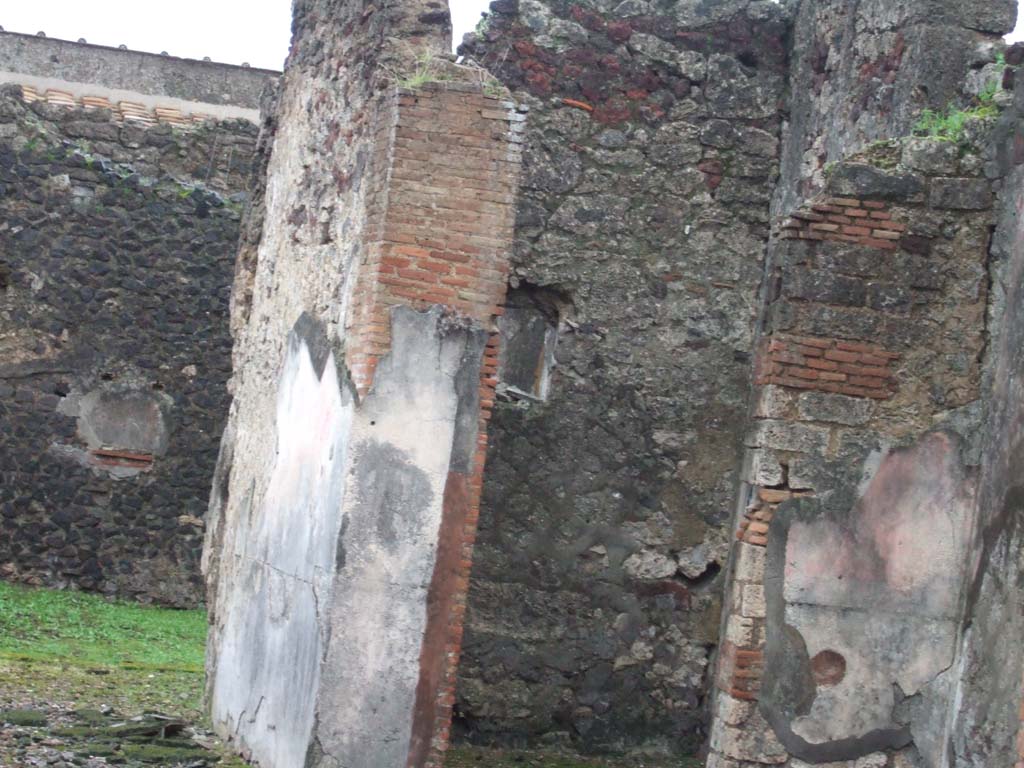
{"points": [[861, 180], [961, 194]]}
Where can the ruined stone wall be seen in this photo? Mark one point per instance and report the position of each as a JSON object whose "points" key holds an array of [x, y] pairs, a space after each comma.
{"points": [[345, 505], [651, 151], [986, 731], [144, 81], [862, 71], [856, 535], [665, 273], [869, 378], [117, 242]]}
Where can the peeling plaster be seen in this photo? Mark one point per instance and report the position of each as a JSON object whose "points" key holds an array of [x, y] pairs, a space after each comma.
{"points": [[879, 586]]}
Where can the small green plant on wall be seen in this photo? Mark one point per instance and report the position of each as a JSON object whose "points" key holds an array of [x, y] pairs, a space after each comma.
{"points": [[427, 67], [950, 124]]}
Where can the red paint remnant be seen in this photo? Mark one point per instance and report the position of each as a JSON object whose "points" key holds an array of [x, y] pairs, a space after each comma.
{"points": [[713, 167], [610, 63], [525, 48], [112, 457], [442, 596], [619, 31], [539, 82], [578, 104], [652, 112], [713, 173], [588, 18], [573, 71], [828, 668], [613, 111]]}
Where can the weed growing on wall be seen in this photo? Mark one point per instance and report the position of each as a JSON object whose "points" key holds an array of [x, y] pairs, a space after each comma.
{"points": [[427, 67], [951, 123]]}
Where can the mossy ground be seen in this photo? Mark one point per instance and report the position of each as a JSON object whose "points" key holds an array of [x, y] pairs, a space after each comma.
{"points": [[86, 629], [75, 668]]}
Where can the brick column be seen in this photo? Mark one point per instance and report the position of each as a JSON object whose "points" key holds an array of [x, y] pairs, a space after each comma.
{"points": [[343, 550], [445, 229], [783, 438]]}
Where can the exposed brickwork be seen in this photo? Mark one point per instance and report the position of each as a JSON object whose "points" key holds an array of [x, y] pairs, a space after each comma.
{"points": [[845, 366], [828, 365], [740, 671], [467, 539], [753, 528], [442, 222], [846, 220], [741, 657]]}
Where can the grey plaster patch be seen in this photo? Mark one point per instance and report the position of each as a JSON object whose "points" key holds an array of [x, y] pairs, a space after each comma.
{"points": [[125, 418], [407, 434]]}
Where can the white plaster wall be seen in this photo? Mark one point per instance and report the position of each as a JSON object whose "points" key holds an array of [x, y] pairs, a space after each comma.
{"points": [[281, 562]]}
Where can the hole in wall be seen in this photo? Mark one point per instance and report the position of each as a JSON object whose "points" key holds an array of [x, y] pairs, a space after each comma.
{"points": [[703, 581], [529, 336], [748, 59]]}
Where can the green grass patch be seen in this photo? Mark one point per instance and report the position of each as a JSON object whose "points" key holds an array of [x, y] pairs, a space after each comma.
{"points": [[951, 123], [426, 68], [88, 630]]}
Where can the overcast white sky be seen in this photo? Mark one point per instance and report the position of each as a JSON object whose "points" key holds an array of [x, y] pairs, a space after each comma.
{"points": [[230, 31]]}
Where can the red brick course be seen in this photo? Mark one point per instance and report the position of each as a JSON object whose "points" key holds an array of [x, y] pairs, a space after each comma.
{"points": [[848, 220], [740, 671], [843, 367]]}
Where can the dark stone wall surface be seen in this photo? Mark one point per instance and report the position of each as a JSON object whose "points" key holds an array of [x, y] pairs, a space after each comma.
{"points": [[988, 703], [862, 71], [117, 246], [651, 153]]}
